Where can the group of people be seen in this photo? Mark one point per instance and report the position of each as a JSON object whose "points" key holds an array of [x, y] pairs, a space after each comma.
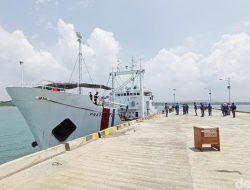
{"points": [[168, 109], [203, 107], [176, 107], [185, 108], [226, 108], [95, 97]]}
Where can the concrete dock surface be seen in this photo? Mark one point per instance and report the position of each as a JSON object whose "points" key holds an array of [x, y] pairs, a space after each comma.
{"points": [[153, 154]]}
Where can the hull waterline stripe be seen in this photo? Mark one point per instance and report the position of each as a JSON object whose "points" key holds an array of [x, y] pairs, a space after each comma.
{"points": [[73, 106]]}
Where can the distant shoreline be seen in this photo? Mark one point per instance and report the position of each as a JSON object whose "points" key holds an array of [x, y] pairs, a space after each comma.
{"points": [[6, 104]]}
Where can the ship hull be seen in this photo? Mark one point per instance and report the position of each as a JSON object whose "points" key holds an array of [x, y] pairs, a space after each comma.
{"points": [[56, 117]]}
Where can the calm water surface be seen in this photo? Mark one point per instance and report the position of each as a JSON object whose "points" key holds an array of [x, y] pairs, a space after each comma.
{"points": [[15, 136]]}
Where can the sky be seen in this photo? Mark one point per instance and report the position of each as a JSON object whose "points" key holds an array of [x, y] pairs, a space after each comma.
{"points": [[183, 45]]}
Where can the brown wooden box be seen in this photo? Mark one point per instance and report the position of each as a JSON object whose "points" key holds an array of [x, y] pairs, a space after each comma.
{"points": [[206, 136]]}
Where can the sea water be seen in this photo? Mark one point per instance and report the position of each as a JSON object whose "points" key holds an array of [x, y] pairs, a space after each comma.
{"points": [[15, 136]]}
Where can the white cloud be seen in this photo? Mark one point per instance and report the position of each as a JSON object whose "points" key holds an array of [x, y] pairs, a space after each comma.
{"points": [[100, 53], [15, 47], [178, 68], [105, 49], [38, 64], [231, 55], [190, 73]]}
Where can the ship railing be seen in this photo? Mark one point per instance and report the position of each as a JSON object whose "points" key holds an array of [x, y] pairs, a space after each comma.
{"points": [[46, 85], [42, 85], [112, 104], [53, 88]]}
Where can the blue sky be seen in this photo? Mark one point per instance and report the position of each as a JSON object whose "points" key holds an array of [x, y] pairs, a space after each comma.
{"points": [[186, 44]]}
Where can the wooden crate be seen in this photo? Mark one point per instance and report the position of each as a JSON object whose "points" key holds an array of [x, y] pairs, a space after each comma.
{"points": [[206, 136]]}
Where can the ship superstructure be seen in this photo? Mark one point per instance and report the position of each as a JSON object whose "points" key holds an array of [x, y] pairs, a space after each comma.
{"points": [[130, 97]]}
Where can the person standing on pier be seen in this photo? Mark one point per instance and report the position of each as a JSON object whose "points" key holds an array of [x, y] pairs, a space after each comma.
{"points": [[91, 96], [177, 109], [166, 109], [209, 108], [195, 108], [187, 108], [184, 109], [202, 109], [95, 98], [233, 109]]}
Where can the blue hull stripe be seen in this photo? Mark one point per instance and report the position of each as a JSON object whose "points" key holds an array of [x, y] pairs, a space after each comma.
{"points": [[113, 118]]}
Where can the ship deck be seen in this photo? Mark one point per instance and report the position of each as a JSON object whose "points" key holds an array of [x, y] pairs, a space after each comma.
{"points": [[154, 154]]}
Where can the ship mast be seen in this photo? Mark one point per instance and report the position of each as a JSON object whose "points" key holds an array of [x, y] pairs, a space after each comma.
{"points": [[135, 73], [79, 39], [142, 91]]}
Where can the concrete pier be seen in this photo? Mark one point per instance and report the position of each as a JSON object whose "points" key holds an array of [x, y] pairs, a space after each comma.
{"points": [[154, 154]]}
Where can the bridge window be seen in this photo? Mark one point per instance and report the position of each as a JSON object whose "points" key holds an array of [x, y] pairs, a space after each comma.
{"points": [[147, 93]]}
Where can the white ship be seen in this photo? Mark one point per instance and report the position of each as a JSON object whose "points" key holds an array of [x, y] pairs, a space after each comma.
{"points": [[134, 100], [55, 116]]}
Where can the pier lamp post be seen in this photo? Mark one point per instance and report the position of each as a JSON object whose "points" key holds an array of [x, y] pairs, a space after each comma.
{"points": [[210, 94], [174, 94], [228, 87], [21, 64]]}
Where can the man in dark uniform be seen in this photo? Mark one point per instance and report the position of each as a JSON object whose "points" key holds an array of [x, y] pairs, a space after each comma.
{"points": [[195, 108], [184, 109], [209, 108], [202, 109], [187, 108], [91, 96], [233, 109], [95, 98], [166, 109], [177, 107]]}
